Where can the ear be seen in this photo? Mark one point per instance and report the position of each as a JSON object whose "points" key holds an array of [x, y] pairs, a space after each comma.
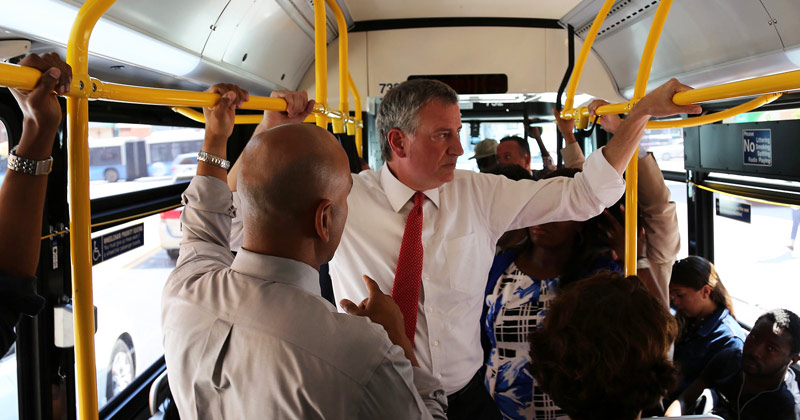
{"points": [[527, 160], [706, 291], [398, 142], [322, 220]]}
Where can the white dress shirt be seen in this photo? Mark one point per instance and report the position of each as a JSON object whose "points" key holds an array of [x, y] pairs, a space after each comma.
{"points": [[462, 221], [251, 337]]}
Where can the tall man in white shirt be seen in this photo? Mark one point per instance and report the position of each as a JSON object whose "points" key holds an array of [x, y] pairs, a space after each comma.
{"points": [[463, 215], [251, 337]]}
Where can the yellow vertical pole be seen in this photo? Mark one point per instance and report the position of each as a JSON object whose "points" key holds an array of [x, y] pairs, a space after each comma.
{"points": [[80, 213], [357, 98], [587, 46], [344, 106], [632, 178], [321, 60]]}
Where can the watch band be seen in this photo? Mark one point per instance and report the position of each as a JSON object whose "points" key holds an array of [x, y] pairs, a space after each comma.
{"points": [[29, 166], [213, 160]]}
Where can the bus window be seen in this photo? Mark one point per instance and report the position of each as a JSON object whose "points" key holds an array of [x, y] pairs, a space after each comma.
{"points": [[132, 157], [666, 146], [127, 293], [754, 259], [678, 195], [498, 130], [8, 385]]}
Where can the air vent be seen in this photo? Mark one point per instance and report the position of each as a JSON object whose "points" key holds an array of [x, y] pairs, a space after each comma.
{"points": [[624, 12]]}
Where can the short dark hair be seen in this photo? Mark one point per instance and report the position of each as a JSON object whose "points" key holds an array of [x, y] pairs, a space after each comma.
{"points": [[602, 352], [787, 321], [523, 144], [400, 108], [510, 171]]}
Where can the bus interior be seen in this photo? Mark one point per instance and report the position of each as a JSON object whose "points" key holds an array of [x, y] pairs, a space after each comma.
{"points": [[509, 61]]}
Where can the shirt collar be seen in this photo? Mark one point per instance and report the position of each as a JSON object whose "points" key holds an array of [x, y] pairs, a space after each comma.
{"points": [[398, 193], [710, 323], [277, 269]]}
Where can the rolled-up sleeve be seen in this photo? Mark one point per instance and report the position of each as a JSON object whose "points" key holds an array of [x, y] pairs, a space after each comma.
{"points": [[519, 204], [205, 225], [398, 391]]}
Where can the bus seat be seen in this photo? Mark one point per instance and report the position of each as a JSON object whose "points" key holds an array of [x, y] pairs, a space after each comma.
{"points": [[696, 417]]}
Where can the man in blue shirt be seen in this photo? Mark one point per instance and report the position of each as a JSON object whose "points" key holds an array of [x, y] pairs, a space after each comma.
{"points": [[752, 383]]}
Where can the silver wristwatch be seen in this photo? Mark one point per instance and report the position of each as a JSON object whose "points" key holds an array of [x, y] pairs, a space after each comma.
{"points": [[214, 160], [29, 166]]}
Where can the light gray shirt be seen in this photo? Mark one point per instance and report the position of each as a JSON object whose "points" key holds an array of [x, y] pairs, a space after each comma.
{"points": [[250, 337]]}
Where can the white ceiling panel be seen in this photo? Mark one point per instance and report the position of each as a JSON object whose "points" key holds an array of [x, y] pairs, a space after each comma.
{"points": [[405, 9], [186, 23]]}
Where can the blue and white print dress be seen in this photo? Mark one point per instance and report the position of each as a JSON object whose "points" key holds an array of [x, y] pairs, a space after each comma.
{"points": [[517, 305]]}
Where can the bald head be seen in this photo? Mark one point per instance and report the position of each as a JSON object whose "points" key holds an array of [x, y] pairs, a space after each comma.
{"points": [[286, 173]]}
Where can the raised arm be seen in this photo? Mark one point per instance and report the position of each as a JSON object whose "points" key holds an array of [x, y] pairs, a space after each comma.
{"points": [[547, 160], [572, 153], [22, 193], [206, 219], [657, 103], [298, 107]]}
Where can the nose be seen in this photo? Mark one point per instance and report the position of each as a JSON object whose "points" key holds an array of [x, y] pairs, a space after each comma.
{"points": [[455, 147]]}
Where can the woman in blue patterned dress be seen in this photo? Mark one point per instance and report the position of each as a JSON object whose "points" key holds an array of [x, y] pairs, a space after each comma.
{"points": [[522, 283]]}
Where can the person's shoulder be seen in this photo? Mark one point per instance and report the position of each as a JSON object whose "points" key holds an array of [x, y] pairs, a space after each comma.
{"points": [[730, 327]]}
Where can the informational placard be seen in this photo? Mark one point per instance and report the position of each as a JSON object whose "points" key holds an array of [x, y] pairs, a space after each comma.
{"points": [[757, 147], [733, 209], [115, 243]]}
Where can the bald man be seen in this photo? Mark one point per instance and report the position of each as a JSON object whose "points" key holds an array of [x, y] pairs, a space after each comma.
{"points": [[250, 336]]}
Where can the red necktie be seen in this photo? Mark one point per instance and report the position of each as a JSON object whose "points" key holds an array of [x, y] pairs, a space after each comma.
{"points": [[408, 275]]}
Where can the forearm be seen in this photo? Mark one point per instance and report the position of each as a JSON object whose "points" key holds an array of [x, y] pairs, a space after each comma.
{"points": [[623, 145], [217, 146], [22, 199]]}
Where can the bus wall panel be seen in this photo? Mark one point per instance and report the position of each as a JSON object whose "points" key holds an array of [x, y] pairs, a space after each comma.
{"points": [[268, 44], [595, 79], [393, 9], [357, 65], [720, 148], [534, 61], [186, 23]]}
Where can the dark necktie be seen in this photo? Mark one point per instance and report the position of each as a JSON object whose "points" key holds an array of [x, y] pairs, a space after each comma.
{"points": [[408, 275]]}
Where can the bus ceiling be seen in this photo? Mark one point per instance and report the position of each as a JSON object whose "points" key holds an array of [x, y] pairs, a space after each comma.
{"points": [[703, 43]]}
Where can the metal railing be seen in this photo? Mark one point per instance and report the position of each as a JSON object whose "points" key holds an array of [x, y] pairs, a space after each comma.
{"points": [[84, 87], [769, 88]]}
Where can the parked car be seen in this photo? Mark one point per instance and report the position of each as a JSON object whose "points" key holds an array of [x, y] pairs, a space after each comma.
{"points": [[184, 167], [169, 232]]}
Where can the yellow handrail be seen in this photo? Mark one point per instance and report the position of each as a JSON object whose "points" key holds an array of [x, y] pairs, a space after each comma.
{"points": [[718, 116], [587, 46], [321, 60], [781, 82], [357, 124], [340, 123], [632, 172], [80, 212], [240, 119]]}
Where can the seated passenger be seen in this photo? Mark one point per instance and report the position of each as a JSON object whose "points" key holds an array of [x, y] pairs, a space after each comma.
{"points": [[249, 337], [602, 352], [22, 194], [705, 318], [657, 214], [523, 281], [755, 382]]}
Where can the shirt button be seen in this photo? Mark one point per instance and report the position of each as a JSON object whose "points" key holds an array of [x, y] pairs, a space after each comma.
{"points": [[436, 343], [439, 376], [425, 278]]}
